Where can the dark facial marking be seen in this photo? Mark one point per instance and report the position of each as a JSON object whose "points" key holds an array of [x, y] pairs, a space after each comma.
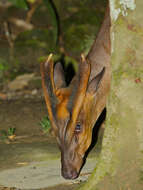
{"points": [[78, 128]]}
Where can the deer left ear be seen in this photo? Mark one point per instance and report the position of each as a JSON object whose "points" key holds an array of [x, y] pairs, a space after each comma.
{"points": [[95, 82], [59, 78]]}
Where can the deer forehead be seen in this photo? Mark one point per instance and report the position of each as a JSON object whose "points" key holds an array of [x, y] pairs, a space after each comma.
{"points": [[63, 97], [62, 111]]}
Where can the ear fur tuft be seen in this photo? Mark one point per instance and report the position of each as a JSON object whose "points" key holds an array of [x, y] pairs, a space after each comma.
{"points": [[59, 77]]}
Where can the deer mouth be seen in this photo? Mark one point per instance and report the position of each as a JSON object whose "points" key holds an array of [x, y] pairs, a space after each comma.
{"points": [[70, 173], [71, 167]]}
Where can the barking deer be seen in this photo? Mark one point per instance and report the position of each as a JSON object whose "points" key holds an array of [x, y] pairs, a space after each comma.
{"points": [[74, 109]]}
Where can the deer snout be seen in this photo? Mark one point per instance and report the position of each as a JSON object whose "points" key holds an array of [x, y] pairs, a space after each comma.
{"points": [[71, 166], [69, 173]]}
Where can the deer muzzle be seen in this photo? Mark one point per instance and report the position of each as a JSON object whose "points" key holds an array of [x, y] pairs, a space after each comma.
{"points": [[71, 165]]}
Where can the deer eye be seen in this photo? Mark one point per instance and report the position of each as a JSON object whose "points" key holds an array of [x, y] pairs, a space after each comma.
{"points": [[78, 128]]}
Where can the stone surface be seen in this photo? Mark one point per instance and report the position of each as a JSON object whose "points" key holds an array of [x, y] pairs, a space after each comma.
{"points": [[20, 82]]}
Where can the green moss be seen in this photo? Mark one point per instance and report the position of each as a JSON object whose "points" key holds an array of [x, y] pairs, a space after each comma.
{"points": [[141, 176]]}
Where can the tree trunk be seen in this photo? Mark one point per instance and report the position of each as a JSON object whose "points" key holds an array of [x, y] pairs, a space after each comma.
{"points": [[120, 166]]}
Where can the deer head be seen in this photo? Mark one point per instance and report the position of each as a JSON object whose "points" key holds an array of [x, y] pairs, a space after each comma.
{"points": [[72, 111]]}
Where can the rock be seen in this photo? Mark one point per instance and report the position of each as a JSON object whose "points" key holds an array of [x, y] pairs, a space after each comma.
{"points": [[34, 92], [20, 82]]}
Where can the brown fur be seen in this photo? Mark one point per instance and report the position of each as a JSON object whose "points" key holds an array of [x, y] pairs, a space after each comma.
{"points": [[74, 110]]}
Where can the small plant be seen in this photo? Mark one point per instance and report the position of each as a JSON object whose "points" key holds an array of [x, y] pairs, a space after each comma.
{"points": [[3, 134], [10, 134], [11, 131], [45, 124]]}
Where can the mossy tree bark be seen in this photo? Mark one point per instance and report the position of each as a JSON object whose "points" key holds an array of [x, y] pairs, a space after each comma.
{"points": [[120, 165]]}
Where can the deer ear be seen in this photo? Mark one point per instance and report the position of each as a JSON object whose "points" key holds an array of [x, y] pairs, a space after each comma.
{"points": [[59, 78], [95, 82]]}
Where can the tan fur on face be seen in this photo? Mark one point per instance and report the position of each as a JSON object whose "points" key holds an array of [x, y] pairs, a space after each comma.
{"points": [[63, 96]]}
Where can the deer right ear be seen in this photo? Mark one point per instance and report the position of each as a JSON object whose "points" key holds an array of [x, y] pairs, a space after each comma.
{"points": [[59, 77], [95, 83]]}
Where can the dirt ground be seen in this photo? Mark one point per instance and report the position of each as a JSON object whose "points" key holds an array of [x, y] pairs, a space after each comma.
{"points": [[24, 115]]}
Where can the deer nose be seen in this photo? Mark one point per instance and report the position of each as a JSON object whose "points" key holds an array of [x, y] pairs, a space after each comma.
{"points": [[69, 174]]}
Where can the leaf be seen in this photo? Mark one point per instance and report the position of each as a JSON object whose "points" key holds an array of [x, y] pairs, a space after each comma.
{"points": [[53, 13], [31, 1], [3, 64], [19, 3], [45, 124], [11, 131], [1, 67], [11, 137]]}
